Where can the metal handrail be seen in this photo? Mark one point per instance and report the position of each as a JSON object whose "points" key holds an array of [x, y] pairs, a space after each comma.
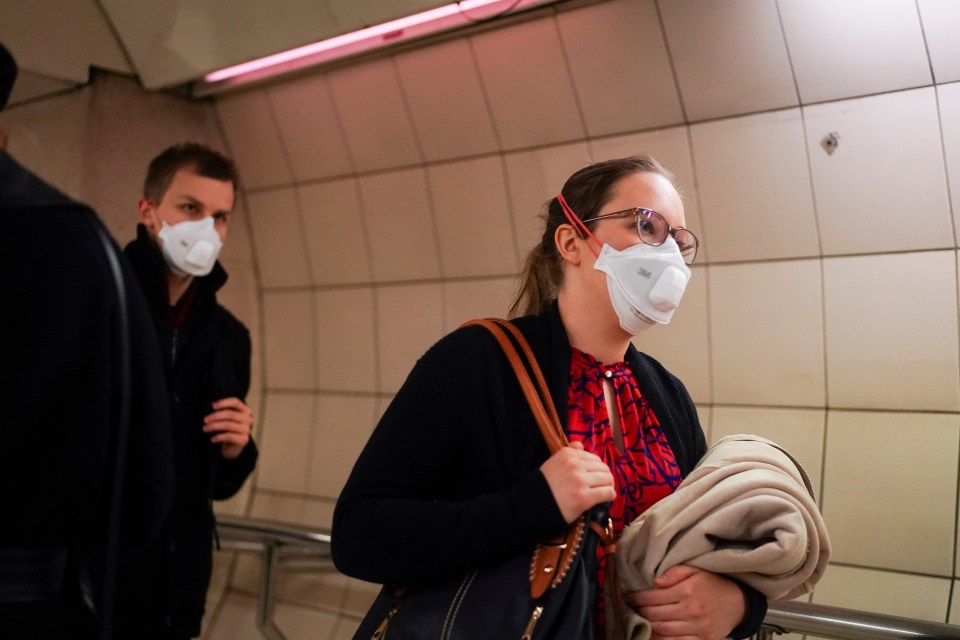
{"points": [[248, 529], [286, 545], [276, 543], [850, 624]]}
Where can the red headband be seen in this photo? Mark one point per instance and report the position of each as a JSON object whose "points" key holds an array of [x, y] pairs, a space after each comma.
{"points": [[578, 224]]}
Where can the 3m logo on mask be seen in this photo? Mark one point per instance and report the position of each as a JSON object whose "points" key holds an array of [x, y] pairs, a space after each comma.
{"points": [[641, 302]]}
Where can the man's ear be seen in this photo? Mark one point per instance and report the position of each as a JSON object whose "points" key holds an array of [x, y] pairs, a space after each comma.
{"points": [[147, 214], [569, 244]]}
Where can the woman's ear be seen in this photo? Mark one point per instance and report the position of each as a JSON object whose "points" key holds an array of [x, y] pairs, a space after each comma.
{"points": [[569, 244]]}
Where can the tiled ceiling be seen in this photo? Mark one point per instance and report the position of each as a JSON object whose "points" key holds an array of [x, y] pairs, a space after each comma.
{"points": [[604, 66], [171, 43]]}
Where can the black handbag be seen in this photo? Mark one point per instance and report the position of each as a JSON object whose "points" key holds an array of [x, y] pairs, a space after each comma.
{"points": [[548, 594]]}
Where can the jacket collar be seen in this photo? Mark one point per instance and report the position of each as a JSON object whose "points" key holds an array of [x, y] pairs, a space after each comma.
{"points": [[150, 268]]}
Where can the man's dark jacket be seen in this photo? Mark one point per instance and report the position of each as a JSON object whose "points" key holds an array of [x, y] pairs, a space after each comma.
{"points": [[59, 391], [208, 358]]}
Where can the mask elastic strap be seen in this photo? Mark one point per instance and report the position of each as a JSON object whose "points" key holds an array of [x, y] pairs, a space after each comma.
{"points": [[578, 224]]}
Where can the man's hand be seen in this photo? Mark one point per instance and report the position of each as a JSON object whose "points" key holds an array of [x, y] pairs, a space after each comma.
{"points": [[231, 424], [690, 603]]}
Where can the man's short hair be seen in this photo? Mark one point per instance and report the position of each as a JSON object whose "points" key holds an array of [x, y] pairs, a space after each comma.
{"points": [[196, 157]]}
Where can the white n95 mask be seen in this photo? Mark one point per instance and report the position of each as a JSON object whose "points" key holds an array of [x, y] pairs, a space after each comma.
{"points": [[190, 247], [645, 283]]}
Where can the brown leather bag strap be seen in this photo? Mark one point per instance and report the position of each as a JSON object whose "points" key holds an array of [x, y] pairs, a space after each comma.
{"points": [[552, 559], [538, 397], [537, 375], [613, 594]]}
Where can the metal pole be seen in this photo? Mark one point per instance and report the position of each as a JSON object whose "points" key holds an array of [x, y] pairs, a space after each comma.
{"points": [[266, 599], [849, 624]]}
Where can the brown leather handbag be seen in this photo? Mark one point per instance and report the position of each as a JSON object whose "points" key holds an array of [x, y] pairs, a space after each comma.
{"points": [[546, 594]]}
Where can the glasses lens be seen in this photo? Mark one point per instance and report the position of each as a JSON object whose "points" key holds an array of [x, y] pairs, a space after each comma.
{"points": [[651, 227], [688, 244]]}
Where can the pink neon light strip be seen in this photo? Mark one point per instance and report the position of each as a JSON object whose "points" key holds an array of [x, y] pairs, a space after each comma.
{"points": [[371, 36]]}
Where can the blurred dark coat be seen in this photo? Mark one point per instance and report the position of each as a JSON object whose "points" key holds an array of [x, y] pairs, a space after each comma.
{"points": [[59, 389]]}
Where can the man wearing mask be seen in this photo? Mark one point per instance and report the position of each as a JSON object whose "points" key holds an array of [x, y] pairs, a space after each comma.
{"points": [[188, 198], [75, 419]]}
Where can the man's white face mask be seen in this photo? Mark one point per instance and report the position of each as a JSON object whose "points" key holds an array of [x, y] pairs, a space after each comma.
{"points": [[645, 283], [190, 247]]}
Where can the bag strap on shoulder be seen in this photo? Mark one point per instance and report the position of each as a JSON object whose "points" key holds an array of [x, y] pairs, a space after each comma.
{"points": [[551, 559], [537, 394]]}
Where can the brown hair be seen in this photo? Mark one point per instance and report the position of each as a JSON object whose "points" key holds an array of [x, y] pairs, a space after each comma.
{"points": [[199, 158], [586, 191]]}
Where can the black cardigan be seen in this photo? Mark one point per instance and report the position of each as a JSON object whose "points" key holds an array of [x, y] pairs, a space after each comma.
{"points": [[450, 478], [450, 481]]}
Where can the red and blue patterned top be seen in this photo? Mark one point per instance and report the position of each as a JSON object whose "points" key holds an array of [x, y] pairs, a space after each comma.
{"points": [[646, 470]]}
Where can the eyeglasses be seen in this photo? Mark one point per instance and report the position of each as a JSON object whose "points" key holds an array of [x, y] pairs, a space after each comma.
{"points": [[653, 230]]}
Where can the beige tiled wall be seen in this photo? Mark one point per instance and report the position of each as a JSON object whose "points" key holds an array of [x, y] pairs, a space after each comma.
{"points": [[394, 198], [874, 488], [752, 173], [766, 333]]}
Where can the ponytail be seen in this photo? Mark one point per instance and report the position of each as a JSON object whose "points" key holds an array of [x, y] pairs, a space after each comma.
{"points": [[539, 280]]}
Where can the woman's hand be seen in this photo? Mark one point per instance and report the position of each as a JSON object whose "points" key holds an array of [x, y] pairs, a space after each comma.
{"points": [[690, 603], [578, 480]]}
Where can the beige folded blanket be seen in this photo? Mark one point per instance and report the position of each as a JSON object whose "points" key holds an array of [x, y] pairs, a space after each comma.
{"points": [[746, 511]]}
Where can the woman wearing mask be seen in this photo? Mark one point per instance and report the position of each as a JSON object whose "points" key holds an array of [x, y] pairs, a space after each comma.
{"points": [[456, 475]]}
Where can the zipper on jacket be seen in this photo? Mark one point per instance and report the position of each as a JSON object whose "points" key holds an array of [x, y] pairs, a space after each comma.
{"points": [[381, 631], [534, 618]]}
